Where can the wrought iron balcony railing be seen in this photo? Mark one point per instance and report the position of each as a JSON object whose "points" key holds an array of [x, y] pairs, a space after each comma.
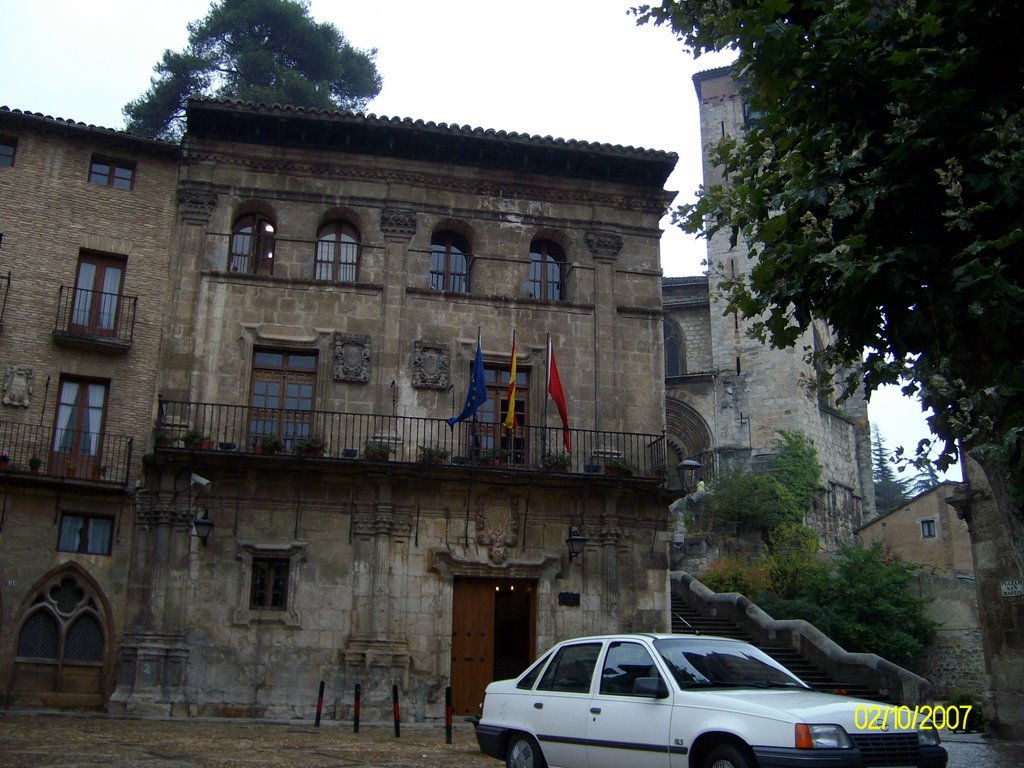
{"points": [[406, 439], [95, 318], [72, 454]]}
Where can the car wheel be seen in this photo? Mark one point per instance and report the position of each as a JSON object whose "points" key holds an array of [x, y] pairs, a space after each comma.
{"points": [[523, 752], [727, 756]]}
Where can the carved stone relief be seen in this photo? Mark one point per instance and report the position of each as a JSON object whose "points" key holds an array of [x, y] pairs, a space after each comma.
{"points": [[18, 386], [431, 363], [351, 357], [604, 245], [497, 527], [395, 222], [196, 202]]}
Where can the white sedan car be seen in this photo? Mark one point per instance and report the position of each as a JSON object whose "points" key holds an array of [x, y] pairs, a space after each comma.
{"points": [[685, 701]]}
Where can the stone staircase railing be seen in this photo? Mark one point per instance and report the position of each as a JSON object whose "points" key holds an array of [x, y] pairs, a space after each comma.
{"points": [[867, 670]]}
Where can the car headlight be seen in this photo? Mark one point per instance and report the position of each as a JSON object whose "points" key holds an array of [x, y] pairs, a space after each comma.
{"points": [[928, 737], [821, 736]]}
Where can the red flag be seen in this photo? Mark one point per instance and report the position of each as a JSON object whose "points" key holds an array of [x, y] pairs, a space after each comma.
{"points": [[555, 390], [511, 422]]}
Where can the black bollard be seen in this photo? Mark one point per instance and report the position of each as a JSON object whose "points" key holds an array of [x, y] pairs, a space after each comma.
{"points": [[448, 715], [394, 703], [355, 710], [319, 704]]}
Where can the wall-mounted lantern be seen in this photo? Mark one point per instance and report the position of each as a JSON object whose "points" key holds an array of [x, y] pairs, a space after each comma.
{"points": [[575, 541]]}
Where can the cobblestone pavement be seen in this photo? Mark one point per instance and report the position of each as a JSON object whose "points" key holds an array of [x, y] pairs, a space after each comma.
{"points": [[52, 740]]}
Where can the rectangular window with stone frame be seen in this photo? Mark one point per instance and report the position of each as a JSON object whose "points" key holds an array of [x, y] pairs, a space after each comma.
{"points": [[269, 589], [85, 534]]}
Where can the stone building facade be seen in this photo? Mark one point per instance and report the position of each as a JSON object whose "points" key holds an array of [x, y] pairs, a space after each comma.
{"points": [[331, 277], [728, 395], [86, 218], [927, 532]]}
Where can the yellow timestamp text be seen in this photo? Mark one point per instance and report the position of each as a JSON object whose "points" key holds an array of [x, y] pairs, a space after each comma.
{"points": [[882, 717]]}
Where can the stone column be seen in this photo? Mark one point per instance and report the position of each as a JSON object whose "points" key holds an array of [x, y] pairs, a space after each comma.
{"points": [[152, 669], [398, 226], [377, 655], [605, 249], [196, 203]]}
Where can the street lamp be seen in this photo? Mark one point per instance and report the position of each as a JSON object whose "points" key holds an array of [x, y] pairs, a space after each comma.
{"points": [[576, 541], [203, 525], [685, 470]]}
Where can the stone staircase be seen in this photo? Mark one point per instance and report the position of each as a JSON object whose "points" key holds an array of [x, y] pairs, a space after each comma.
{"points": [[686, 621], [796, 644]]}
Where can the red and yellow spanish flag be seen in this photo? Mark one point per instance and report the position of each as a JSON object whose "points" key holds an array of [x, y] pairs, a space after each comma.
{"points": [[510, 418]]}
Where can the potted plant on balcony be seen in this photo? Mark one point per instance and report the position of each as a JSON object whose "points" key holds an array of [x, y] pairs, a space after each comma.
{"points": [[492, 457], [375, 451], [193, 439], [4, 459], [34, 464], [270, 444], [311, 445], [100, 472], [619, 467], [556, 461], [431, 454], [70, 469]]}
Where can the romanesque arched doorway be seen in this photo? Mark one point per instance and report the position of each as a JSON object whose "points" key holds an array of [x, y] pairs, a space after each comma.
{"points": [[687, 437], [61, 657]]}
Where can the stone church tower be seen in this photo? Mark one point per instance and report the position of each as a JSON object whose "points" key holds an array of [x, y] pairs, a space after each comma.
{"points": [[727, 394]]}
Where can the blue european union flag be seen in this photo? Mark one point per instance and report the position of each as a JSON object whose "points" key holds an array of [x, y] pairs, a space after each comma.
{"points": [[477, 394]]}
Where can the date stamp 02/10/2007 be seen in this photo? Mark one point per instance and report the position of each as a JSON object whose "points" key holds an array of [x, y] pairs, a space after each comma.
{"points": [[882, 717]]}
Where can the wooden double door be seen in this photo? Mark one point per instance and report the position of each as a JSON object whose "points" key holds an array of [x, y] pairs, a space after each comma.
{"points": [[493, 631]]}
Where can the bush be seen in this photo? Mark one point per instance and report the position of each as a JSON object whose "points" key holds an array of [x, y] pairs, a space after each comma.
{"points": [[975, 717], [730, 574], [872, 597]]}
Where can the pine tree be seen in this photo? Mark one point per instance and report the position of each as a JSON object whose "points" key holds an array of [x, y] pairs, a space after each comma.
{"points": [[890, 492], [256, 50]]}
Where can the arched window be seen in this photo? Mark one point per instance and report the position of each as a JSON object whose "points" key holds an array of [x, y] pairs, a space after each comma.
{"points": [[252, 245], [449, 259], [675, 360], [337, 252], [64, 626], [547, 271]]}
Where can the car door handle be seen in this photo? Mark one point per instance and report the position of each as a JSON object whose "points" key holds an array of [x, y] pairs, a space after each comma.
{"points": [[538, 705], [595, 710]]}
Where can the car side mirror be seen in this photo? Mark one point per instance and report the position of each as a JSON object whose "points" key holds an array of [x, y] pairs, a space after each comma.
{"points": [[651, 687]]}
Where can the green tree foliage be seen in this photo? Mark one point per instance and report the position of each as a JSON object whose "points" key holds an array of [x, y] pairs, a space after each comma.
{"points": [[256, 50], [879, 184], [761, 501], [860, 599], [791, 564], [890, 491], [875, 604]]}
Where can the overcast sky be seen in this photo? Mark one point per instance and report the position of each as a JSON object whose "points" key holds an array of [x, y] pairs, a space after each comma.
{"points": [[577, 69]]}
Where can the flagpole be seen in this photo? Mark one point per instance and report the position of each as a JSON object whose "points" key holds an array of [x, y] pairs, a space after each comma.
{"points": [[547, 383]]}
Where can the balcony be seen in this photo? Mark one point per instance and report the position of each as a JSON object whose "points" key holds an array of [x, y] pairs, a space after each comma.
{"points": [[96, 457], [103, 322], [349, 437]]}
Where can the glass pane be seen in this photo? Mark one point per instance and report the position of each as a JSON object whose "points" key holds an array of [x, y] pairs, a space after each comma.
{"points": [[84, 641], [302, 362], [99, 538], [572, 669], [67, 596], [122, 178], [268, 359], [38, 637], [99, 173], [325, 260], [70, 538]]}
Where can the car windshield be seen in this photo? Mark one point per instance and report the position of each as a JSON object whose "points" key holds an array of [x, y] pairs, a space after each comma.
{"points": [[696, 663]]}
